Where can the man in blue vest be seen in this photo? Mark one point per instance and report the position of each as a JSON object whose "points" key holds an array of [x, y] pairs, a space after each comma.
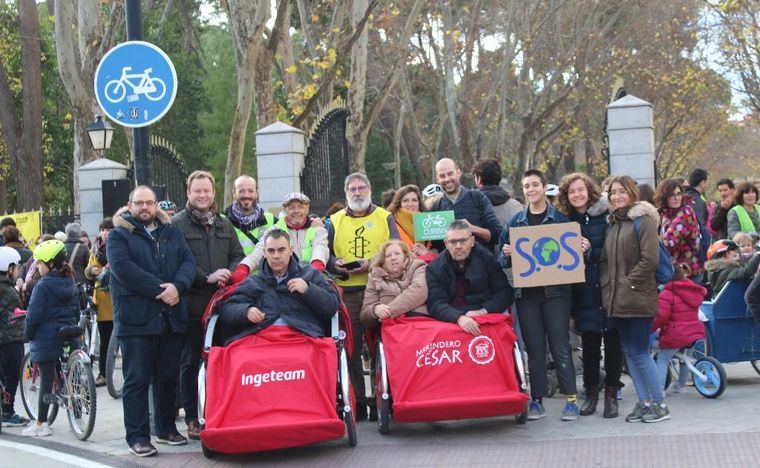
{"points": [[247, 216]]}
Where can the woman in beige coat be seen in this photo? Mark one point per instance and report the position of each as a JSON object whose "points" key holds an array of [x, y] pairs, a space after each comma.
{"points": [[396, 284], [629, 290]]}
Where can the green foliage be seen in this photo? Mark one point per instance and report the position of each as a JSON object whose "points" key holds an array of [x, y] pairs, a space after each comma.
{"points": [[378, 152]]}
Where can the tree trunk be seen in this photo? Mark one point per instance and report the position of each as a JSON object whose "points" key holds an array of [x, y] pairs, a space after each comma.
{"points": [[356, 145], [245, 78], [29, 174]]}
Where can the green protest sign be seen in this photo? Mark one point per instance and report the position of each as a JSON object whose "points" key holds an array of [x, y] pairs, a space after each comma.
{"points": [[432, 225]]}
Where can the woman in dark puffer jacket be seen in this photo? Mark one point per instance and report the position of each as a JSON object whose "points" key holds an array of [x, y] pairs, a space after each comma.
{"points": [[580, 199]]}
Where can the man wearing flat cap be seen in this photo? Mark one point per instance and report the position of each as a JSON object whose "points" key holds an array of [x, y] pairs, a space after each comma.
{"points": [[309, 242]]}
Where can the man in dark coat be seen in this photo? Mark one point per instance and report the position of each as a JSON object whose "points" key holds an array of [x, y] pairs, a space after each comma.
{"points": [[284, 293], [151, 270], [719, 221], [465, 281], [697, 181], [217, 251]]}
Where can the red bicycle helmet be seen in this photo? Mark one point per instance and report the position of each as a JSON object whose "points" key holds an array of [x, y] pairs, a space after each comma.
{"points": [[720, 247]]}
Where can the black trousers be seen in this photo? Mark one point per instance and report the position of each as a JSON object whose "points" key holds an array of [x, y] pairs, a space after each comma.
{"points": [[188, 374], [11, 355], [752, 298], [545, 319], [353, 301], [146, 358], [48, 371], [104, 330], [592, 354]]}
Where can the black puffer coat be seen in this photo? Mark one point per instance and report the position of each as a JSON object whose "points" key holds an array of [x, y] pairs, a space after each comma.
{"points": [[587, 297]]}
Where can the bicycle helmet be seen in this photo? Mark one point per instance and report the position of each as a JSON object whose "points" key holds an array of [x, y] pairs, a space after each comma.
{"points": [[8, 257], [47, 251], [167, 205], [721, 247], [431, 190], [552, 190]]}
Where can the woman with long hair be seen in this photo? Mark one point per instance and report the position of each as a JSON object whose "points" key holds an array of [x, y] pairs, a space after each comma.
{"points": [[629, 291], [406, 202], [580, 199], [679, 228]]}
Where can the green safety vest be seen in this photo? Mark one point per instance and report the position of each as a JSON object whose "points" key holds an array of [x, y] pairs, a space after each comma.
{"points": [[248, 239], [745, 222], [308, 243]]}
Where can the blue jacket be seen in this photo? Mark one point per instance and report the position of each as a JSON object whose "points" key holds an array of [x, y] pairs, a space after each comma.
{"points": [[587, 297], [553, 216], [488, 287], [54, 304], [308, 313], [139, 265]]}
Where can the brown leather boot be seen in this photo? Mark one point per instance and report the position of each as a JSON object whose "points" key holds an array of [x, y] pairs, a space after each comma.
{"points": [[610, 402], [589, 404]]}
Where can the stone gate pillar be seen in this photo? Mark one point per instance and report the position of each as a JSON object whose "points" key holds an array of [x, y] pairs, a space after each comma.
{"points": [[630, 129], [91, 176], [280, 151]]}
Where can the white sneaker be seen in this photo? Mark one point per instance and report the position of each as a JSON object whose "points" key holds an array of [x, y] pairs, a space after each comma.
{"points": [[675, 387], [37, 430]]}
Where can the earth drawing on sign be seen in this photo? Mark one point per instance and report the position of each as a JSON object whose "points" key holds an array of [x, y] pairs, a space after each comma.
{"points": [[546, 251]]}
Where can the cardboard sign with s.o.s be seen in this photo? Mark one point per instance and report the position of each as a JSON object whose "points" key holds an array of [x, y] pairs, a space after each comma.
{"points": [[547, 254]]}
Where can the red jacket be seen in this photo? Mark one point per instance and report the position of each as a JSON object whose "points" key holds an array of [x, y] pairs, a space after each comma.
{"points": [[677, 318]]}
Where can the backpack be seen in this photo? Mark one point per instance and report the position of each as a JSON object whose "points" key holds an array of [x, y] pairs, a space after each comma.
{"points": [[664, 272]]}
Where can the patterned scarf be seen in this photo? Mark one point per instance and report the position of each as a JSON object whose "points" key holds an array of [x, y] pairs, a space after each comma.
{"points": [[204, 219], [245, 221]]}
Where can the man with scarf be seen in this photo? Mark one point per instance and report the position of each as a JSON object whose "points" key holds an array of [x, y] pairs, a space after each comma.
{"points": [[355, 234], [97, 271], [308, 239], [247, 216], [217, 252]]}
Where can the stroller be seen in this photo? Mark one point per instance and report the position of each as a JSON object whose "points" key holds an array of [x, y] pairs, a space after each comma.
{"points": [[275, 389]]}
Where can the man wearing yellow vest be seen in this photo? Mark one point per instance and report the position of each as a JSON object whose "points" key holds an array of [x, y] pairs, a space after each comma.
{"points": [[247, 216], [355, 234], [308, 239]]}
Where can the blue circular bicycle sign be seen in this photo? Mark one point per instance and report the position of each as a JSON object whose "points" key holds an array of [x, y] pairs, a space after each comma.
{"points": [[135, 84]]}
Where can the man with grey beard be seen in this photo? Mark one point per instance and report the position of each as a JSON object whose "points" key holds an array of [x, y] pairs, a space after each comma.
{"points": [[355, 234]]}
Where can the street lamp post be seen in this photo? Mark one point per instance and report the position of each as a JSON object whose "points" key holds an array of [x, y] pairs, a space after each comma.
{"points": [[101, 134]]}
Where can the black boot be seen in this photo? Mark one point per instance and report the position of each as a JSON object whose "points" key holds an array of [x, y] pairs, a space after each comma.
{"points": [[589, 404], [610, 402]]}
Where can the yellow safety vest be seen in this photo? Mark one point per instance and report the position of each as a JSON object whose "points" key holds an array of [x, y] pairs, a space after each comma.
{"points": [[359, 239], [745, 222], [245, 241], [308, 242]]}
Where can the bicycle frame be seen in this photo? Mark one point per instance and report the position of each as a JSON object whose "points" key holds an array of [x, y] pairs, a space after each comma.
{"points": [[145, 85], [684, 356]]}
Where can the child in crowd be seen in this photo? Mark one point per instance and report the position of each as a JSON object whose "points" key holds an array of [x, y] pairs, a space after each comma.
{"points": [[724, 263], [677, 324], [53, 305], [746, 244], [11, 336]]}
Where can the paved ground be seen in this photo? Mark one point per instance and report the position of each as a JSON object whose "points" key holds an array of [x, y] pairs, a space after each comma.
{"points": [[709, 433]]}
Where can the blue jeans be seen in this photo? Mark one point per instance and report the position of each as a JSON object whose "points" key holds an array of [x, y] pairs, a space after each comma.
{"points": [[664, 355], [634, 338]]}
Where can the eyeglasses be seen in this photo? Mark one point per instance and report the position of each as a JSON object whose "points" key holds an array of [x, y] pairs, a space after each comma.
{"points": [[676, 195], [358, 188], [148, 203], [457, 242]]}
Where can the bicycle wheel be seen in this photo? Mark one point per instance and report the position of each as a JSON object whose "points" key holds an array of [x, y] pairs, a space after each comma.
{"points": [[715, 384], [83, 401], [30, 390], [115, 91], [756, 365], [159, 92], [114, 375]]}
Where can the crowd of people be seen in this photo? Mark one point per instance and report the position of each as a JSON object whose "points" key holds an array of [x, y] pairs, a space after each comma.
{"points": [[155, 267]]}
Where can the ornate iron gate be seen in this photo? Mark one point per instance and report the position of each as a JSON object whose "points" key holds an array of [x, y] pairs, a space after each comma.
{"points": [[326, 164], [167, 170]]}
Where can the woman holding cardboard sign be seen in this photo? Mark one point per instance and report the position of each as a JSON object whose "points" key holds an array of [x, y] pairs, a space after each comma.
{"points": [[629, 291], [580, 199], [543, 311], [406, 202]]}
